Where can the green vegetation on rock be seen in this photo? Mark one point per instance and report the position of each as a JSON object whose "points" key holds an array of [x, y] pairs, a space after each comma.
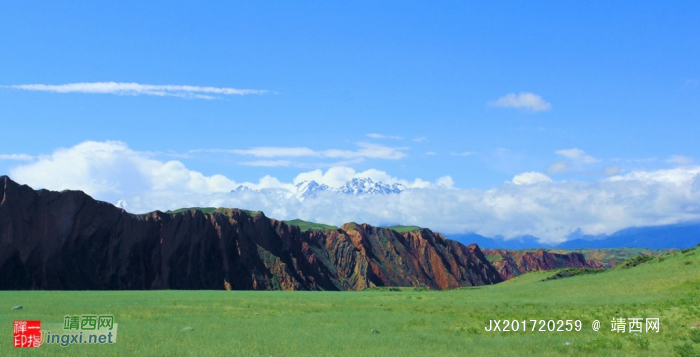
{"points": [[402, 229], [305, 225], [210, 210]]}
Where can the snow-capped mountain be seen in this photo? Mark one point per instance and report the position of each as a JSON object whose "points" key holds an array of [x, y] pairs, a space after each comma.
{"points": [[359, 186], [306, 189], [243, 188], [365, 186]]}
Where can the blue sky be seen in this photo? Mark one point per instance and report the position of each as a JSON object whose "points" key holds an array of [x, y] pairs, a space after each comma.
{"points": [[482, 93]]}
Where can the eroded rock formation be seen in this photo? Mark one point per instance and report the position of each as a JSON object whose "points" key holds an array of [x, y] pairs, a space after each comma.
{"points": [[511, 263], [68, 241]]}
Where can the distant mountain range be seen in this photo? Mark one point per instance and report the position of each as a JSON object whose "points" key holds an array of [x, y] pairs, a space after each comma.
{"points": [[679, 236], [359, 186]]}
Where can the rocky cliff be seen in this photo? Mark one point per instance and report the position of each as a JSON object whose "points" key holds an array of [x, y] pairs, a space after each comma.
{"points": [[67, 240], [510, 263]]}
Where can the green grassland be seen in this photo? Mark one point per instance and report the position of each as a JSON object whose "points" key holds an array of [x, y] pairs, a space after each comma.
{"points": [[389, 322], [305, 225]]}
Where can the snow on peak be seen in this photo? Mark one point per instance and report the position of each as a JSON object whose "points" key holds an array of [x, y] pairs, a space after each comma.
{"points": [[359, 186], [242, 188], [306, 189]]}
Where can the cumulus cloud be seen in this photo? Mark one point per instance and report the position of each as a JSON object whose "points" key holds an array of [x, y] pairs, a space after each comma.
{"points": [[338, 176], [529, 178], [183, 91], [445, 181], [532, 203], [110, 170], [523, 100]]}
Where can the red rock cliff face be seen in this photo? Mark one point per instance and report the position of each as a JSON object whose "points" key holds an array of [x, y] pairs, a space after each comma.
{"points": [[67, 240], [511, 263]]}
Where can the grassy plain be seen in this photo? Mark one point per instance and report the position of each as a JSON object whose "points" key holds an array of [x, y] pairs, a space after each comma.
{"points": [[388, 323]]}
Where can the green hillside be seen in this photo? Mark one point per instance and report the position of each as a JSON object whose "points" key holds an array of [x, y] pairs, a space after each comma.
{"points": [[305, 225]]}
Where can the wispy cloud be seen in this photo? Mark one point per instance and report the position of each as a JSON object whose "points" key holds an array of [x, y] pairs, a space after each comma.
{"points": [[365, 150], [182, 91], [679, 159], [611, 170], [268, 163], [524, 100], [465, 153], [16, 157], [382, 136], [577, 154], [558, 167], [420, 139]]}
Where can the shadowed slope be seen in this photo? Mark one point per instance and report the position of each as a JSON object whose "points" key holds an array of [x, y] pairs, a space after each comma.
{"points": [[67, 240]]}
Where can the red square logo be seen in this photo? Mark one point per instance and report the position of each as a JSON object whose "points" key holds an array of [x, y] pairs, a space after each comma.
{"points": [[27, 334]]}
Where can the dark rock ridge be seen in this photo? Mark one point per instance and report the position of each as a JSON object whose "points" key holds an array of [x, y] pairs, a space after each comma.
{"points": [[69, 241], [511, 263]]}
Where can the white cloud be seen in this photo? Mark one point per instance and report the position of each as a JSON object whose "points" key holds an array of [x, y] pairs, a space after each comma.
{"points": [[678, 176], [465, 153], [558, 167], [523, 100], [611, 170], [577, 155], [183, 91], [16, 157], [267, 163], [679, 159], [536, 205], [365, 150], [420, 139], [381, 136], [277, 152], [430, 153], [109, 170], [445, 181], [339, 175], [529, 178]]}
